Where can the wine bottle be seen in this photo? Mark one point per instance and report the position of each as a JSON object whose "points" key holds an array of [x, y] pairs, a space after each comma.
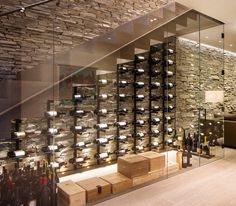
{"points": [[122, 138], [123, 97], [122, 111], [184, 159], [168, 62], [45, 192], [155, 121], [52, 148], [80, 97], [53, 113], [79, 113], [195, 142], [168, 51], [184, 140], [168, 85], [123, 69], [155, 61], [139, 149], [139, 123], [205, 149], [138, 71], [102, 112], [189, 142], [139, 97], [140, 136], [139, 110], [81, 145], [121, 152], [16, 154], [169, 97], [123, 84], [102, 156], [102, 82], [154, 145], [155, 97], [168, 119], [121, 125], [139, 85], [79, 160], [101, 126], [103, 140], [155, 73], [140, 58], [169, 131], [155, 133], [155, 85], [80, 129], [212, 148], [155, 109], [103, 97], [19, 135], [168, 74], [32, 200], [53, 131], [170, 108]]}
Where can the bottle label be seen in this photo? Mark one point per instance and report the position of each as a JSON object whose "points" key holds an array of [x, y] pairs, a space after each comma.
{"points": [[19, 134], [52, 113], [32, 203], [103, 155], [52, 147], [102, 126], [19, 153], [80, 144], [185, 159], [80, 159], [78, 127], [122, 137], [52, 130]]}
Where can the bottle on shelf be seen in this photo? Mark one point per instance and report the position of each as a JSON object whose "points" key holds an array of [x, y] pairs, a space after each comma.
{"points": [[154, 145], [52, 148], [155, 121], [102, 141], [104, 97], [122, 69], [123, 83], [80, 97], [103, 82], [155, 133], [195, 142], [122, 152], [189, 146], [169, 108], [169, 85], [79, 160], [168, 74], [122, 111], [168, 62], [139, 123], [81, 145], [139, 71], [155, 61], [45, 195], [139, 149], [79, 113], [123, 97], [19, 135], [169, 131], [155, 73], [80, 129], [184, 140], [121, 125], [140, 58], [17, 154], [155, 85], [155, 97], [139, 85], [102, 126], [103, 156], [168, 52], [155, 109], [53, 114], [103, 112], [212, 147], [205, 149], [122, 138], [139, 97], [168, 119], [169, 97], [139, 110], [140, 136]]}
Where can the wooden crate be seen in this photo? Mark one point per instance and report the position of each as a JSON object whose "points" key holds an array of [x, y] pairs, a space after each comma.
{"points": [[172, 167], [133, 166], [151, 176], [156, 160], [119, 182], [96, 188], [70, 194]]}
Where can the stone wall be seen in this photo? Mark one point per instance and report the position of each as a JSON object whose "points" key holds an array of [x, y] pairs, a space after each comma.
{"points": [[26, 39]]}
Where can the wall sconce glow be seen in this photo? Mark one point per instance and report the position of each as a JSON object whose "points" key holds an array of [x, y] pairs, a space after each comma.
{"points": [[214, 96]]}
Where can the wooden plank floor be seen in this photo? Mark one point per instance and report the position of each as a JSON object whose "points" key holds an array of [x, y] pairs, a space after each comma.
{"points": [[210, 185]]}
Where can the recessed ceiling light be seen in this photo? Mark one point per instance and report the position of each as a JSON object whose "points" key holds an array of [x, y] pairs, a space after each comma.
{"points": [[231, 45]]}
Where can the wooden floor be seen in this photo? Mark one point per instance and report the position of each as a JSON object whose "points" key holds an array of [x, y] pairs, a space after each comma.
{"points": [[210, 185]]}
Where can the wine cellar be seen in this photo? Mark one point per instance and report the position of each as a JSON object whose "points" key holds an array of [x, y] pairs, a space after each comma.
{"points": [[133, 102]]}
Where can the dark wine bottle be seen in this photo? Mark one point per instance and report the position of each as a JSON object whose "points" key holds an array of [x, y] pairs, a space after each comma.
{"points": [[138, 71], [102, 112], [122, 138], [168, 51], [101, 126], [155, 109], [123, 84], [80, 97], [122, 111], [121, 152], [45, 193], [155, 133], [155, 73], [19, 135], [155, 85], [140, 58], [139, 123], [155, 121], [53, 114], [104, 97], [184, 159], [79, 113], [170, 108], [168, 62], [16, 154], [79, 160], [81, 145], [195, 142], [124, 69], [139, 149], [139, 85], [168, 74], [53, 131], [169, 85], [123, 97], [169, 97], [139, 97], [80, 129], [103, 140], [103, 82], [169, 131], [155, 61], [121, 125], [139, 110], [102, 156], [140, 135]]}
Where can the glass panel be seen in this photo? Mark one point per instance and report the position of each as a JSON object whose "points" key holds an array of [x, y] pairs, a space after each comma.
{"points": [[211, 94]]}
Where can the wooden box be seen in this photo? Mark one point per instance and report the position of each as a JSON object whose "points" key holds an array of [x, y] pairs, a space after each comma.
{"points": [[151, 176], [156, 160], [119, 182], [96, 188], [133, 166], [172, 167], [71, 194]]}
